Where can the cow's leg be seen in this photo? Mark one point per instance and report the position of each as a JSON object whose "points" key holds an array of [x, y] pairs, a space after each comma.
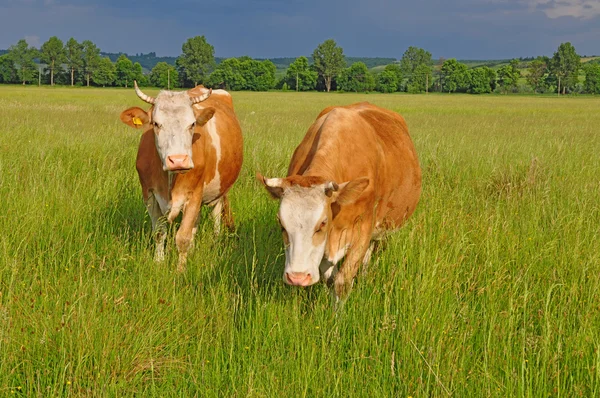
{"points": [[368, 254], [365, 262], [354, 258], [159, 227], [222, 214], [184, 236]]}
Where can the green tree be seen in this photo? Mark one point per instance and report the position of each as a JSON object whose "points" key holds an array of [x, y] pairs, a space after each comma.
{"points": [[508, 76], [395, 69], [53, 54], [537, 70], [105, 72], [492, 77], [564, 65], [412, 58], [91, 59], [164, 75], [8, 73], [454, 76], [244, 73], [356, 78], [390, 79], [480, 80], [329, 61], [138, 75], [300, 76], [228, 75], [259, 75], [592, 78], [387, 82], [421, 79], [123, 71], [22, 56], [196, 60], [416, 65], [265, 77], [74, 57]]}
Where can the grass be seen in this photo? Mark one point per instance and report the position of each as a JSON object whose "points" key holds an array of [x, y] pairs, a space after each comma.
{"points": [[491, 289]]}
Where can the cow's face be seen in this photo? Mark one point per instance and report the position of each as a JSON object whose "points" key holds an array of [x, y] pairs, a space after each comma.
{"points": [[174, 120], [306, 216]]}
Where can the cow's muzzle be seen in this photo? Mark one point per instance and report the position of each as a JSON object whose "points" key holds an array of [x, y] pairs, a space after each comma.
{"points": [[178, 163], [298, 278]]}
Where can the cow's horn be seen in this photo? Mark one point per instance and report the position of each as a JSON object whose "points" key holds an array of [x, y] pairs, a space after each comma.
{"points": [[201, 98], [143, 97]]}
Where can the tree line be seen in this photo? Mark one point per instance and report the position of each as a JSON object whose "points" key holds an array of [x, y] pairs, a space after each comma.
{"points": [[73, 63]]}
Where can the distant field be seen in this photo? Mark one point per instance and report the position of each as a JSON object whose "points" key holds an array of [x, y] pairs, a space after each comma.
{"points": [[492, 289]]}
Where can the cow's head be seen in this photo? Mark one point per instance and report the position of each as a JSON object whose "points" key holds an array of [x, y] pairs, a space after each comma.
{"points": [[309, 206], [174, 120]]}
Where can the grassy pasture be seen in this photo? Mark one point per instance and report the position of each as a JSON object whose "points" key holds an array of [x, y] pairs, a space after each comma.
{"points": [[491, 289]]}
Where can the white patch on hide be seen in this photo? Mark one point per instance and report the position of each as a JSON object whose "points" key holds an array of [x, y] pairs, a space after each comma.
{"points": [[212, 190]]}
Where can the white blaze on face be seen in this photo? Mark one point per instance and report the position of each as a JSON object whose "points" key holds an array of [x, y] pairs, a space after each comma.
{"points": [[174, 121], [301, 215]]}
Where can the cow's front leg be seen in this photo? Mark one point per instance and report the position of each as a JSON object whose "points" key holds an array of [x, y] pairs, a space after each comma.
{"points": [[357, 253], [222, 215], [159, 227], [185, 234]]}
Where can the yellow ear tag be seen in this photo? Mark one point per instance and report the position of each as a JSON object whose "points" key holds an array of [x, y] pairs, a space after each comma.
{"points": [[137, 121]]}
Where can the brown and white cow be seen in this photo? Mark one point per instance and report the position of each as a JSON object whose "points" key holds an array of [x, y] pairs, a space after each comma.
{"points": [[190, 154], [354, 176]]}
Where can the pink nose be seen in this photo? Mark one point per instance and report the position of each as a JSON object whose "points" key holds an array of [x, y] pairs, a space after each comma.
{"points": [[298, 278], [178, 162]]}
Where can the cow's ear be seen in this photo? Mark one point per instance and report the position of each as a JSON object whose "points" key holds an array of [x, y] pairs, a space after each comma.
{"points": [[135, 117], [273, 185], [204, 115], [349, 192]]}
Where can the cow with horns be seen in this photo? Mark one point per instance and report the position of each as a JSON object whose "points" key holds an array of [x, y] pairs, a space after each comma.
{"points": [[354, 177], [190, 154]]}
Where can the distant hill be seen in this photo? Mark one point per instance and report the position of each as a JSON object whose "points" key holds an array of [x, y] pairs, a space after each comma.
{"points": [[2, 52], [492, 63], [284, 63], [148, 61]]}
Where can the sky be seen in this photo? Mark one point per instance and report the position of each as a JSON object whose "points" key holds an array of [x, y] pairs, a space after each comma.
{"points": [[462, 29]]}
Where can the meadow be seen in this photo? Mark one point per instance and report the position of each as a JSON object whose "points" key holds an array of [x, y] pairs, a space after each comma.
{"points": [[492, 289]]}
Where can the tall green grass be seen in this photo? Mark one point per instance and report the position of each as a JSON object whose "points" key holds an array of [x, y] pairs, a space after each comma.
{"points": [[491, 289]]}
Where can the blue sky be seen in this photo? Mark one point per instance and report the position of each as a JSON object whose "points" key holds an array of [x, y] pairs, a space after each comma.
{"points": [[464, 29]]}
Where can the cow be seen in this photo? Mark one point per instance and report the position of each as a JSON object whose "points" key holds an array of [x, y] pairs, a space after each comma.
{"points": [[354, 178], [190, 154]]}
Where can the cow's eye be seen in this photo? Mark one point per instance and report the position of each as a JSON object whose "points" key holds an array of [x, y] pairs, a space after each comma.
{"points": [[193, 126], [321, 226], [156, 125]]}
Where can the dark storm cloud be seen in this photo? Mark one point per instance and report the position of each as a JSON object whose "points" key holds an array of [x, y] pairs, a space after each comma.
{"points": [[266, 28]]}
